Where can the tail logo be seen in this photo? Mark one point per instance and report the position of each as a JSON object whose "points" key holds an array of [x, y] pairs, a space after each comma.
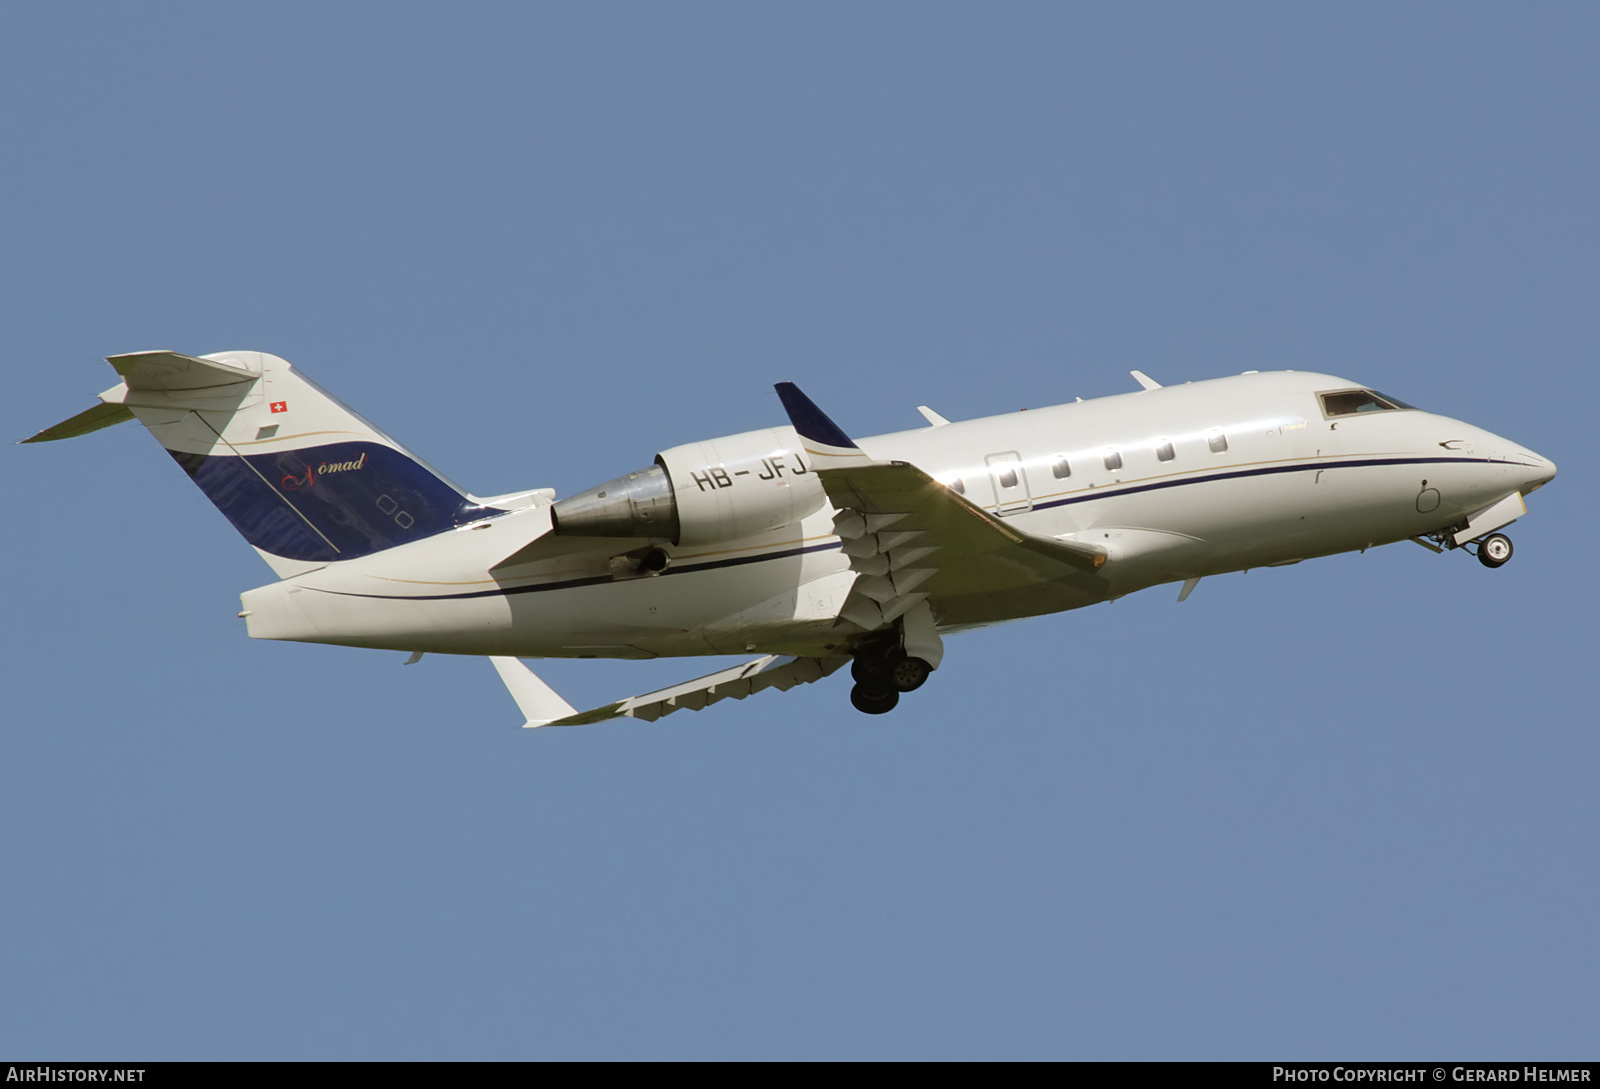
{"points": [[295, 483]]}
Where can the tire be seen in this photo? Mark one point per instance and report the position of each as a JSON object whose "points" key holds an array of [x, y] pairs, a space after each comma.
{"points": [[873, 701], [909, 674], [1494, 550]]}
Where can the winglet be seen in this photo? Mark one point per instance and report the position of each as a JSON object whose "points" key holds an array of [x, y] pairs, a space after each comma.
{"points": [[1145, 380], [822, 436]]}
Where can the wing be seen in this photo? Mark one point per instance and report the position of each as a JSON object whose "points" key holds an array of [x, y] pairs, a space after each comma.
{"points": [[910, 538], [542, 707]]}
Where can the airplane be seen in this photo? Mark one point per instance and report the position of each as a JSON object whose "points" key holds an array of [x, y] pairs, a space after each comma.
{"points": [[799, 543]]}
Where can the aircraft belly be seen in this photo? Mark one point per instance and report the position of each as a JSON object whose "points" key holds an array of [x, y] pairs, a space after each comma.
{"points": [[675, 613], [798, 619], [319, 615], [569, 607]]}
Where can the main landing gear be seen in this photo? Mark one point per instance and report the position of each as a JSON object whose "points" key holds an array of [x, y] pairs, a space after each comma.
{"points": [[881, 673]]}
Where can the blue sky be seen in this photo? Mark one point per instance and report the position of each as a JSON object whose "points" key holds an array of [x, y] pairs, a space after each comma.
{"points": [[1340, 809]]}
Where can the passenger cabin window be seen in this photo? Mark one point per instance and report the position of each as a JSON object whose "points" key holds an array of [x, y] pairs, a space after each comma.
{"points": [[1060, 467], [1113, 460], [1008, 478], [958, 486], [1165, 452], [1350, 402], [1218, 442]]}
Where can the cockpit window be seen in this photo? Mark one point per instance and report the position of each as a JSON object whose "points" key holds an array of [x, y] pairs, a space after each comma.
{"points": [[1349, 402]]}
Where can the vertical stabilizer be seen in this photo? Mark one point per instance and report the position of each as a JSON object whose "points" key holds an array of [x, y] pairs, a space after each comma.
{"points": [[302, 477]]}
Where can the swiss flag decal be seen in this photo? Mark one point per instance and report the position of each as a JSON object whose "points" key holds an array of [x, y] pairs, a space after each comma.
{"points": [[280, 406]]}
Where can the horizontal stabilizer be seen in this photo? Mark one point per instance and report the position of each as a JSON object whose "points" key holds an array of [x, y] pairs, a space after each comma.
{"points": [[171, 371], [161, 373], [539, 703], [90, 419]]}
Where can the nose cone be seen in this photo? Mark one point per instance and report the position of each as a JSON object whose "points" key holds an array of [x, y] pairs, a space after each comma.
{"points": [[1544, 472], [1504, 462], [1535, 471]]}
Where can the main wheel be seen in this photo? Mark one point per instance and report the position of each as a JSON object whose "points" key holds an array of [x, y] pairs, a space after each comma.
{"points": [[870, 700], [908, 674], [1494, 550]]}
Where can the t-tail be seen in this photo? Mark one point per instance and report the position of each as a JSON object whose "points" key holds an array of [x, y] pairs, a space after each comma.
{"points": [[300, 475]]}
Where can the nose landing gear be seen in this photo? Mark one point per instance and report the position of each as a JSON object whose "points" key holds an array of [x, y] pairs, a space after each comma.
{"points": [[1494, 550]]}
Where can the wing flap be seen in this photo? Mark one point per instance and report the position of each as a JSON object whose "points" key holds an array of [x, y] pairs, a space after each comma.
{"points": [[540, 704]]}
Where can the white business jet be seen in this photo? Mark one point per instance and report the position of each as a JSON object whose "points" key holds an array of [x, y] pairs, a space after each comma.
{"points": [[799, 543]]}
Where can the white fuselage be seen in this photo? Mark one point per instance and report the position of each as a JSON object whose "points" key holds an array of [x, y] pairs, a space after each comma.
{"points": [[1174, 483]]}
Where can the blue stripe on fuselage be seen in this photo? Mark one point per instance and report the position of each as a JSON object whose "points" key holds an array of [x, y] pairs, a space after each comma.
{"points": [[1269, 470]]}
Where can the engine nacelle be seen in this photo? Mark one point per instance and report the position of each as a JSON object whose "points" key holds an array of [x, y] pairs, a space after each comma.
{"points": [[740, 485], [702, 493]]}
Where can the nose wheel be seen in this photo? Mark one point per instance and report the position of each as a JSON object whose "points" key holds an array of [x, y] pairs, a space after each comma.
{"points": [[1494, 550]]}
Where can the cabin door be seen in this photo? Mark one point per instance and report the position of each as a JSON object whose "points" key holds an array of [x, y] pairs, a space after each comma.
{"points": [[1010, 483]]}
